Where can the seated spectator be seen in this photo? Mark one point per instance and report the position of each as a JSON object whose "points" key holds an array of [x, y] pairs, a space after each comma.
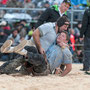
{"points": [[7, 29], [22, 31], [15, 37], [4, 3], [13, 3], [46, 4], [26, 25], [28, 4], [30, 33], [79, 50]]}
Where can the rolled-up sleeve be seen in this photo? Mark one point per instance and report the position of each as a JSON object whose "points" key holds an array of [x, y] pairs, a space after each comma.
{"points": [[67, 56]]}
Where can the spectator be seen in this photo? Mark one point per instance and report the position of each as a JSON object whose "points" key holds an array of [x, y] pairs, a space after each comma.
{"points": [[72, 39], [83, 4], [22, 31], [46, 4], [7, 29], [52, 14], [30, 33], [26, 25], [4, 3], [2, 13], [77, 29], [85, 32], [15, 37], [28, 4], [13, 3], [75, 3]]}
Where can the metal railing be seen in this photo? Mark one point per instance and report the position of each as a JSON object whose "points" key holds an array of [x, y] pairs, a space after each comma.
{"points": [[71, 11]]}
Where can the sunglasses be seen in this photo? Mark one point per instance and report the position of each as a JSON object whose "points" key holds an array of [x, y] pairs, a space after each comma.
{"points": [[67, 24]]}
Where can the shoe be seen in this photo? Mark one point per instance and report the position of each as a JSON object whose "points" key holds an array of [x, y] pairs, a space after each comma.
{"points": [[85, 69], [6, 46], [82, 69], [87, 72], [21, 46]]}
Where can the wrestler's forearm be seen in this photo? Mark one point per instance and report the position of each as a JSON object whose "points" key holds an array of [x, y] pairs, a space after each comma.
{"points": [[67, 70], [36, 37]]}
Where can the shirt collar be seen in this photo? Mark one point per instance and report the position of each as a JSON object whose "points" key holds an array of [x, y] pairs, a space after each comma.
{"points": [[61, 14]]}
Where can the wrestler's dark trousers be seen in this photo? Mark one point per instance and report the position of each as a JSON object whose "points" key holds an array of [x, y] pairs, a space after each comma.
{"points": [[86, 59], [34, 58]]}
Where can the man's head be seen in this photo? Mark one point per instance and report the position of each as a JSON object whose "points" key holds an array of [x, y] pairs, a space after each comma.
{"points": [[62, 23], [63, 37], [15, 32], [65, 6]]}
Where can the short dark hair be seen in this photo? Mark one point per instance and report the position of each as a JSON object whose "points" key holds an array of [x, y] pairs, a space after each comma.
{"points": [[67, 35], [67, 1], [61, 21]]}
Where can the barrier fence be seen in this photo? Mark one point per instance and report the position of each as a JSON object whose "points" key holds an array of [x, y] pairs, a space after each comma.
{"points": [[71, 12]]}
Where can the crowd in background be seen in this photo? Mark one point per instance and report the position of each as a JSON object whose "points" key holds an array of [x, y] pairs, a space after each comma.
{"points": [[76, 4], [40, 3], [20, 30]]}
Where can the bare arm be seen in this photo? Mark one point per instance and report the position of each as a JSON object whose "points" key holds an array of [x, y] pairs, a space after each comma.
{"points": [[67, 70], [36, 37]]}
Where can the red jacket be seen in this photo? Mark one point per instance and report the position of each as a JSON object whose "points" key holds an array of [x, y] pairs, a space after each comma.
{"points": [[72, 39], [4, 2]]}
